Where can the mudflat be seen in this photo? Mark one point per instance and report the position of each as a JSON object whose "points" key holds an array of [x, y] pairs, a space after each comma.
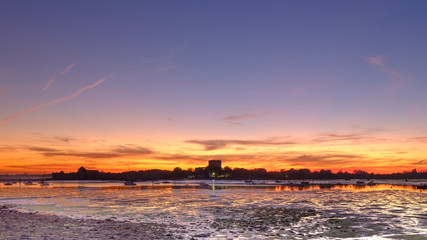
{"points": [[34, 226]]}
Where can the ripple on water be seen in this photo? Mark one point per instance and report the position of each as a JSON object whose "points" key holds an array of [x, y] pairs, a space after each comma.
{"points": [[246, 213]]}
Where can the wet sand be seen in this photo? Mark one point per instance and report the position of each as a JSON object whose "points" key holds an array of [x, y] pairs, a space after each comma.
{"points": [[31, 225]]}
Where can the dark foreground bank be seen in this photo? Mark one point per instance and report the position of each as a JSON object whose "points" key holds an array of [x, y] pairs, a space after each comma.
{"points": [[18, 225]]}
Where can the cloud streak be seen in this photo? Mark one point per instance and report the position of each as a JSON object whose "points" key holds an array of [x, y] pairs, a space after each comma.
{"points": [[76, 94], [379, 61], [219, 144], [236, 119], [332, 137], [53, 78], [64, 139], [398, 80], [115, 152], [349, 139]]}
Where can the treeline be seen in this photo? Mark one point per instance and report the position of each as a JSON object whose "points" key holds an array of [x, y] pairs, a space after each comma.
{"points": [[293, 174], [154, 174], [232, 174]]}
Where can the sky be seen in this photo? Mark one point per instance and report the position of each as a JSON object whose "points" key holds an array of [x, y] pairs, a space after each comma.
{"points": [[133, 85]]}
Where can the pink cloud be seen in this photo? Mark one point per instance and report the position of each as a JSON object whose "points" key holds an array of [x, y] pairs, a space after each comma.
{"points": [[379, 61], [376, 61], [398, 80], [235, 119], [57, 100], [53, 78]]}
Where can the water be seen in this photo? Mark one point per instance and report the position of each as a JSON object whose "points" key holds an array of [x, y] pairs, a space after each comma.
{"points": [[234, 210]]}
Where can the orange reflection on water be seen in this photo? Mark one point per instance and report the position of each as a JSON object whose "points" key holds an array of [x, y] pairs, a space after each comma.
{"points": [[349, 187]]}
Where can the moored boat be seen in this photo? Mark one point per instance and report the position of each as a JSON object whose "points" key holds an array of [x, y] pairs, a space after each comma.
{"points": [[248, 181], [360, 183], [43, 183], [371, 183], [203, 185], [130, 183]]}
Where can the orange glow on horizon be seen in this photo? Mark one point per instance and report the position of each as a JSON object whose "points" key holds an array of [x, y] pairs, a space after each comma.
{"points": [[115, 169], [273, 155]]}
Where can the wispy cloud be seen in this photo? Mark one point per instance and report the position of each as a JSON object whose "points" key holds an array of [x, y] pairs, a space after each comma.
{"points": [[219, 144], [237, 118], [41, 166], [41, 149], [64, 139], [398, 80], [53, 78], [57, 100], [160, 69], [346, 139], [325, 138], [332, 137], [379, 61], [113, 152], [324, 159], [421, 162]]}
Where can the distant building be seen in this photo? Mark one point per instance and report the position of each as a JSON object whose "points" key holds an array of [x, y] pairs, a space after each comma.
{"points": [[215, 164], [214, 168]]}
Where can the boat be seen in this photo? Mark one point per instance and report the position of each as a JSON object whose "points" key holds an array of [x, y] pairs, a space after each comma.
{"points": [[130, 183], [360, 183], [247, 181], [29, 183], [203, 185], [371, 183], [422, 186], [43, 183], [291, 184], [305, 183], [7, 183]]}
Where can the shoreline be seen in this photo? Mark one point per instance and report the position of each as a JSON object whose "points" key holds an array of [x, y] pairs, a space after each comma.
{"points": [[35, 226]]}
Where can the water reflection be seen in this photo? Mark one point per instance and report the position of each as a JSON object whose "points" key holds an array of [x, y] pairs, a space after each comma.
{"points": [[221, 185], [348, 187], [342, 208]]}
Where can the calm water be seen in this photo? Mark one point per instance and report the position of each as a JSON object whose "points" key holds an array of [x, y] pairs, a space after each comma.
{"points": [[388, 210]]}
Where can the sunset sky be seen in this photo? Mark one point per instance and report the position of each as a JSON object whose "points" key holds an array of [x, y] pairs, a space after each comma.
{"points": [[132, 85]]}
